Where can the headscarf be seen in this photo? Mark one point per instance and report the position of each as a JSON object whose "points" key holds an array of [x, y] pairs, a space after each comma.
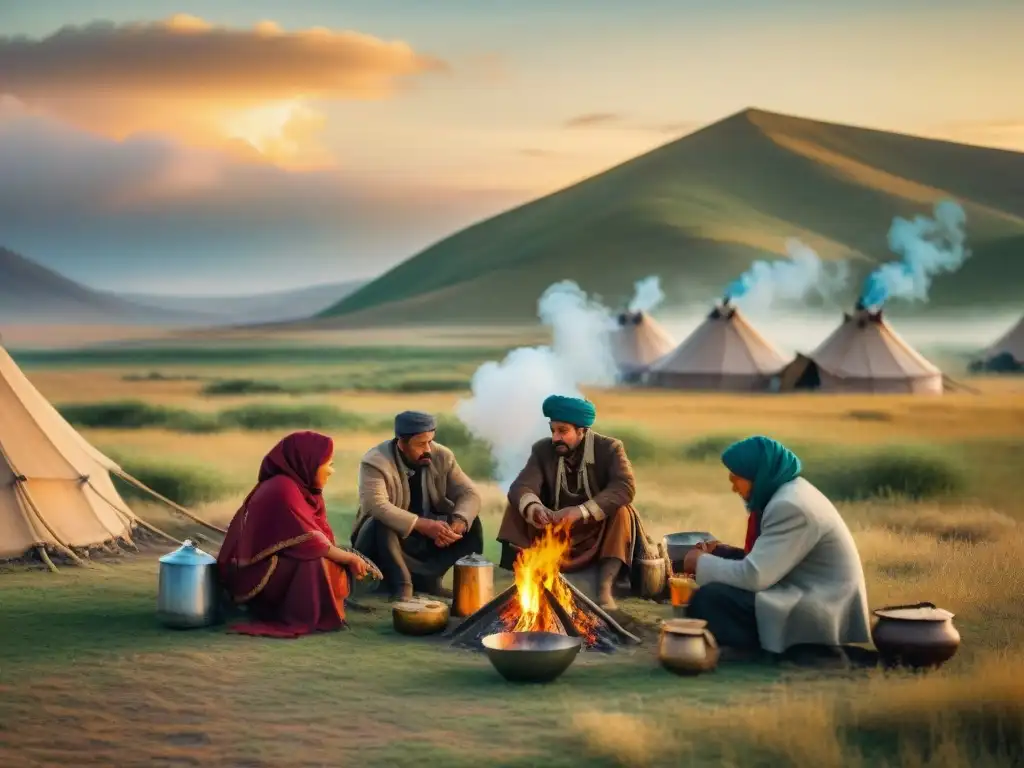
{"points": [[768, 465], [571, 410], [285, 510]]}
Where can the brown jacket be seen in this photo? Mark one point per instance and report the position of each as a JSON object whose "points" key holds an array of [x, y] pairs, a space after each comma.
{"points": [[384, 489], [611, 479]]}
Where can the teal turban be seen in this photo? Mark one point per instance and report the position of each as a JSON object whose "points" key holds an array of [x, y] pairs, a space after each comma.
{"points": [[571, 410], [766, 463]]}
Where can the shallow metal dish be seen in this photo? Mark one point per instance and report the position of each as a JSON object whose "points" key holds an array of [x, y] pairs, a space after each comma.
{"points": [[531, 657], [678, 544]]}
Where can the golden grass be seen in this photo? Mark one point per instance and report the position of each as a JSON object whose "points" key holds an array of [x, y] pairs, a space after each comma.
{"points": [[861, 420], [970, 719]]}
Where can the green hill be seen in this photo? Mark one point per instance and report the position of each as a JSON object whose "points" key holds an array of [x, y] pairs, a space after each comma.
{"points": [[699, 210]]}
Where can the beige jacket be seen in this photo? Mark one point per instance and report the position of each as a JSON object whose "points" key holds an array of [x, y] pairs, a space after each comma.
{"points": [[384, 489], [805, 571]]}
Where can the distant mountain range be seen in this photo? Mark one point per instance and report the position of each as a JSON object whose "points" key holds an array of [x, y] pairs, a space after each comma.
{"points": [[699, 210], [32, 294]]}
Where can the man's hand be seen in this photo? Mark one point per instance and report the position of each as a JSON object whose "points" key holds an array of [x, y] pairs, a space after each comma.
{"points": [[708, 546], [437, 531], [459, 526], [570, 515], [542, 516], [690, 561]]}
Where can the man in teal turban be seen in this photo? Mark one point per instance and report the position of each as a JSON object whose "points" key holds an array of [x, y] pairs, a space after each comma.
{"points": [[582, 480], [798, 580]]}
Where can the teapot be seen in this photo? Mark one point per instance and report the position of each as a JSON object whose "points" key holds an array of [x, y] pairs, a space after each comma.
{"points": [[687, 647], [473, 584]]}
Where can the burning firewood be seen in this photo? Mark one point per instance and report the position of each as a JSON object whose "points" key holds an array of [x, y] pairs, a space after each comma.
{"points": [[542, 600]]}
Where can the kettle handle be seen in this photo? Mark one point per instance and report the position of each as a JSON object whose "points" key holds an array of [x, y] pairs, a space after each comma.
{"points": [[709, 639], [902, 607]]}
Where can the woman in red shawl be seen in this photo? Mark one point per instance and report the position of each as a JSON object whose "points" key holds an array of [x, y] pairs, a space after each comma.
{"points": [[279, 557]]}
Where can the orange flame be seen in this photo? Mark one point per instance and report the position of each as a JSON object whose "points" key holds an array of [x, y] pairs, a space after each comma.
{"points": [[537, 568]]}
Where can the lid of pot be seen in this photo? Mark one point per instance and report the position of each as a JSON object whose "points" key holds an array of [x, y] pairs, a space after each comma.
{"points": [[684, 626], [474, 560], [188, 554], [919, 612]]}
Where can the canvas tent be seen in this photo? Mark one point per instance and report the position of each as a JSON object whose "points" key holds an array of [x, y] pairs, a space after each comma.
{"points": [[56, 491], [864, 354], [725, 352], [1007, 354], [638, 342]]}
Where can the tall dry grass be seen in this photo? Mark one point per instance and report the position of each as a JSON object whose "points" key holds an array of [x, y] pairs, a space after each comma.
{"points": [[972, 719]]}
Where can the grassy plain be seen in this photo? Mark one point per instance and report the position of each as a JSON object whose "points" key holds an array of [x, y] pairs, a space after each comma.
{"points": [[929, 486]]}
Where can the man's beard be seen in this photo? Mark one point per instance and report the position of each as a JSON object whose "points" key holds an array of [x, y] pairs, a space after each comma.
{"points": [[423, 460], [560, 447]]}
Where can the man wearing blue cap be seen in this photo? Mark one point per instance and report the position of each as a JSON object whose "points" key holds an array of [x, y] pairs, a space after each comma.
{"points": [[581, 478], [417, 509]]}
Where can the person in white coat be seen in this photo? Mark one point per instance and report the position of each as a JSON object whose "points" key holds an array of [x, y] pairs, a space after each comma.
{"points": [[798, 581]]}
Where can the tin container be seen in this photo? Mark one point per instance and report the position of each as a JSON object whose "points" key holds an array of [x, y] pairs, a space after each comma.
{"points": [[473, 585], [188, 596]]}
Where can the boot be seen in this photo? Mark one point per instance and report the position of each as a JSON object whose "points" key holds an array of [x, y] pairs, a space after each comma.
{"points": [[609, 569]]}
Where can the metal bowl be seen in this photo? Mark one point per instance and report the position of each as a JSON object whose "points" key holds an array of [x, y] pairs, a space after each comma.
{"points": [[419, 618], [678, 544], [531, 657]]}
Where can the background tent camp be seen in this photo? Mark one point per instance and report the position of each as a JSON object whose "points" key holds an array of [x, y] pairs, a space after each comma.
{"points": [[725, 352], [638, 342], [864, 354]]}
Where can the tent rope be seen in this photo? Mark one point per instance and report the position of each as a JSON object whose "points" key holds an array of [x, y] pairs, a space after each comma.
{"points": [[137, 519], [176, 507]]}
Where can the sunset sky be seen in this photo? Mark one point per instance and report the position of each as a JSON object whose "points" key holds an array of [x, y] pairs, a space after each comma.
{"points": [[246, 145]]}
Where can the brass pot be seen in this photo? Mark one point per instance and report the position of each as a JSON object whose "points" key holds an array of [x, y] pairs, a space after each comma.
{"points": [[686, 647], [915, 636], [419, 618], [473, 584]]}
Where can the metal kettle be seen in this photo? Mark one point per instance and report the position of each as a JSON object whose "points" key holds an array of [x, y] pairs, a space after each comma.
{"points": [[473, 584], [188, 596]]}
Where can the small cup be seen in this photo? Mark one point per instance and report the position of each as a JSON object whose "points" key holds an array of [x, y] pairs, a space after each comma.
{"points": [[681, 589]]}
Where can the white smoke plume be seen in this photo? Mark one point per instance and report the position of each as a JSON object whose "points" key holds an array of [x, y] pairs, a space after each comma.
{"points": [[768, 283], [647, 295], [505, 407], [926, 247]]}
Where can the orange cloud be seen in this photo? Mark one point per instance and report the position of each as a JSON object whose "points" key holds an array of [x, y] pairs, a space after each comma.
{"points": [[204, 84]]}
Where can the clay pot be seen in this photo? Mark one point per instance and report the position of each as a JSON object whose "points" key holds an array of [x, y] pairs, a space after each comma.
{"points": [[686, 647], [917, 636]]}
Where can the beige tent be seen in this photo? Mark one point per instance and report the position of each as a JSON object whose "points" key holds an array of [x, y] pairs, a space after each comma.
{"points": [[1011, 344], [864, 354], [56, 492], [725, 352], [638, 342]]}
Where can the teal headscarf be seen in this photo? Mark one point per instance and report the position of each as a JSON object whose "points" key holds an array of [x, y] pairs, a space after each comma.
{"points": [[571, 410], [766, 463]]}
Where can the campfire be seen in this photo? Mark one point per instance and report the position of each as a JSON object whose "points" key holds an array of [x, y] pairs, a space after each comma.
{"points": [[542, 600]]}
